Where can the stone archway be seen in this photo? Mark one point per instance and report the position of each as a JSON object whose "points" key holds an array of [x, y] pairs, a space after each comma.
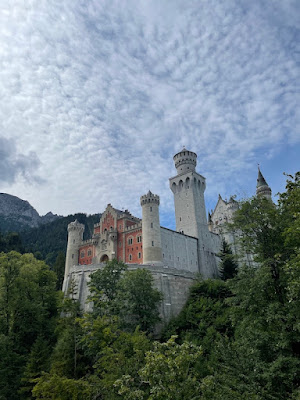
{"points": [[104, 258]]}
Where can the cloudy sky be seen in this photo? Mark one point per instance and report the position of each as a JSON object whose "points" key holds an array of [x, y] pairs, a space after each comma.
{"points": [[97, 96]]}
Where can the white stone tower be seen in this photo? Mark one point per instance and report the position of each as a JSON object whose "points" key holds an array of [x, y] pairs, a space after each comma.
{"points": [[188, 188], [75, 236], [262, 188], [152, 253]]}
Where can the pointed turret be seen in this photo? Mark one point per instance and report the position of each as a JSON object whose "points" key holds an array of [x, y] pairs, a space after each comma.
{"points": [[262, 188]]}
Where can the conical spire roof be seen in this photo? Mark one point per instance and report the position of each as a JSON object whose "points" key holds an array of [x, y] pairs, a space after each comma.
{"points": [[262, 188], [261, 180]]}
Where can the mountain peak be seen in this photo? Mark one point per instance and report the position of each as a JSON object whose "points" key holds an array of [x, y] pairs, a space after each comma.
{"points": [[17, 214]]}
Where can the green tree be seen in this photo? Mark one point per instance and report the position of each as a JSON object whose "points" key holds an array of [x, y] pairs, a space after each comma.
{"points": [[137, 300], [204, 319], [130, 295], [263, 358], [112, 352], [228, 266], [103, 286], [68, 358], [169, 373], [59, 269], [53, 387], [38, 361], [28, 309], [11, 241]]}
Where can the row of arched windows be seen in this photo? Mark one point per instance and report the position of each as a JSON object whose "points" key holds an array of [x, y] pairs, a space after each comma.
{"points": [[186, 184]]}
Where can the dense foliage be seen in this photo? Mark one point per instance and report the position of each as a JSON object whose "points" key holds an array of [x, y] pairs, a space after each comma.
{"points": [[50, 239], [237, 338], [11, 241], [28, 312], [129, 295], [228, 267], [11, 224]]}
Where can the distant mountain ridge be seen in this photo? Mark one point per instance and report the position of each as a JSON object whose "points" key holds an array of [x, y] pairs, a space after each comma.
{"points": [[17, 214]]}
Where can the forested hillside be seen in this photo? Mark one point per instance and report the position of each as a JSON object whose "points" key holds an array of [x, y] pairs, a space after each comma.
{"points": [[236, 338], [50, 239]]}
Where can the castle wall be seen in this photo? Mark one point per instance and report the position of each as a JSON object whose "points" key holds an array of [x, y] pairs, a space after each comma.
{"points": [[134, 247], [173, 283], [216, 242], [86, 254], [179, 251]]}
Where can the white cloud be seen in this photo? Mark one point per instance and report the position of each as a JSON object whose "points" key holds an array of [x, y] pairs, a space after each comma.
{"points": [[104, 93]]}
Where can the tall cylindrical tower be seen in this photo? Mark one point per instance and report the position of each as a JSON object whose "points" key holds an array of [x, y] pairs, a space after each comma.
{"points": [[152, 253], [75, 236]]}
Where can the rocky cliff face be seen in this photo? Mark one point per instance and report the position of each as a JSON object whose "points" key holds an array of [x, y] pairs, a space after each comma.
{"points": [[17, 214]]}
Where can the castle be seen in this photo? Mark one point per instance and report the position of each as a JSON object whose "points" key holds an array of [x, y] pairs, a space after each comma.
{"points": [[173, 257]]}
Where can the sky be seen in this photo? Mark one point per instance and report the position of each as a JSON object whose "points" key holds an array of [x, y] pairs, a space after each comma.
{"points": [[97, 96]]}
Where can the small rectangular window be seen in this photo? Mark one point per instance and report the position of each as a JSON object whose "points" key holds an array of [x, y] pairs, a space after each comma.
{"points": [[140, 255], [151, 224], [152, 243], [130, 257], [150, 209]]}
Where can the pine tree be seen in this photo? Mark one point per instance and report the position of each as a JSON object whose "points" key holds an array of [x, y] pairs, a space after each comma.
{"points": [[228, 267]]}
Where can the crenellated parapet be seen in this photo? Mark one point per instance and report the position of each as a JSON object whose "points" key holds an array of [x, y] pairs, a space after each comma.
{"points": [[185, 161], [149, 198], [75, 226]]}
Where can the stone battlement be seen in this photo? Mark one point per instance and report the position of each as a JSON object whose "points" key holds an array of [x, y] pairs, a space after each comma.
{"points": [[149, 198], [75, 226]]}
